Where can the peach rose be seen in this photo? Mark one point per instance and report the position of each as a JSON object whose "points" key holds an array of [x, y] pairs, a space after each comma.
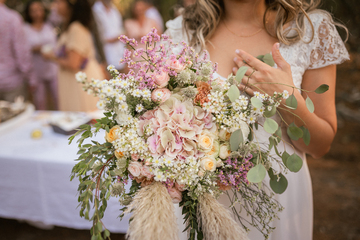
{"points": [[224, 151], [112, 135], [224, 135], [206, 142], [134, 157], [145, 172], [162, 79], [175, 195], [135, 168], [119, 154], [208, 164], [160, 94], [176, 66]]}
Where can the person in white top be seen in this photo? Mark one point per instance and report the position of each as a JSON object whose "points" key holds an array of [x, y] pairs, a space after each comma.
{"points": [[110, 25], [153, 13], [306, 47]]}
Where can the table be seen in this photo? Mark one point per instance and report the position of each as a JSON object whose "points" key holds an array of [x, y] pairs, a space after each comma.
{"points": [[35, 178]]}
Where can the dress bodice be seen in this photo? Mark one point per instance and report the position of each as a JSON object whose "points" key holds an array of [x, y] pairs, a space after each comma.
{"points": [[325, 48]]}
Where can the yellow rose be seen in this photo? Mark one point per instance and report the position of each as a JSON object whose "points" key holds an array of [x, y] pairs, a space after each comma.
{"points": [[208, 164], [224, 151], [119, 154], [224, 135], [112, 135]]}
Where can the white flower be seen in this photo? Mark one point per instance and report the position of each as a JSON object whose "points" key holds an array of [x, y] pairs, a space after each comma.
{"points": [[123, 106], [80, 76], [101, 104], [159, 176], [137, 93], [124, 84], [146, 93], [285, 94], [108, 90], [224, 151], [257, 94], [120, 98], [139, 108], [111, 68]]}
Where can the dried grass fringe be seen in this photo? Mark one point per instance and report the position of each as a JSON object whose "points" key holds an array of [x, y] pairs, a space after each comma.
{"points": [[153, 215], [216, 221]]}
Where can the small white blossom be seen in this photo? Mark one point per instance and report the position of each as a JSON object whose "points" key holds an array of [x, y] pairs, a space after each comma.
{"points": [[139, 108]]}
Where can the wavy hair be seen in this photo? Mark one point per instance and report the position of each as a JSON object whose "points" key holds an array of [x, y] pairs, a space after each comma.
{"points": [[202, 18]]}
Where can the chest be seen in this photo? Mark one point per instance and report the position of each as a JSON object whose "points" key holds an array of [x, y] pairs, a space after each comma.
{"points": [[223, 44]]}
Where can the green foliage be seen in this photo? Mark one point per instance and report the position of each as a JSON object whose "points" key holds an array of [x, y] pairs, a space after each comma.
{"points": [[270, 113], [270, 125], [322, 88], [278, 183], [241, 73], [294, 163], [189, 210], [294, 132], [256, 102], [268, 59], [306, 136], [291, 102], [256, 174], [233, 93], [309, 105], [235, 139]]}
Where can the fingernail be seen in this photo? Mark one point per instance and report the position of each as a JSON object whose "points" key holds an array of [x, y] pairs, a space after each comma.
{"points": [[277, 46], [235, 59], [234, 69], [237, 51]]}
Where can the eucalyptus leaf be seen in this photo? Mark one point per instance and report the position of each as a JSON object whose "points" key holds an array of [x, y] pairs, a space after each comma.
{"points": [[306, 136], [233, 93], [285, 156], [268, 59], [278, 134], [291, 102], [270, 113], [309, 105], [270, 125], [294, 163], [322, 88], [235, 139], [256, 174], [241, 73], [279, 184], [271, 142], [256, 102], [294, 132]]}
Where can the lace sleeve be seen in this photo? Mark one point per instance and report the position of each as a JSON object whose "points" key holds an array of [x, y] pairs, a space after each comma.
{"points": [[327, 47]]}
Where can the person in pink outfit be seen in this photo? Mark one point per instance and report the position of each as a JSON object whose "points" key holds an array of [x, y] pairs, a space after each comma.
{"points": [[15, 57], [41, 37]]}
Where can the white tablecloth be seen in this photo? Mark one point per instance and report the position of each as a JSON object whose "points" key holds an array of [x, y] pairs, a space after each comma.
{"points": [[35, 178]]}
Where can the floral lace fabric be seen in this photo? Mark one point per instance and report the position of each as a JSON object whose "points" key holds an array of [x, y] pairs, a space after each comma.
{"points": [[326, 48]]}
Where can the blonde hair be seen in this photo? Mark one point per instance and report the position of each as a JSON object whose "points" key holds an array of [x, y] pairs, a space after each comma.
{"points": [[201, 19]]}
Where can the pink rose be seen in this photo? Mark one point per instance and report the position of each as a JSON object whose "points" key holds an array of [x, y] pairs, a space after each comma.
{"points": [[160, 94], [145, 172], [179, 187], [134, 157], [162, 79], [135, 168], [175, 195], [176, 66]]}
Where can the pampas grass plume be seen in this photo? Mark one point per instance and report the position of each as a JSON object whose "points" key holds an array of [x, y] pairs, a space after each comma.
{"points": [[153, 215], [216, 221]]}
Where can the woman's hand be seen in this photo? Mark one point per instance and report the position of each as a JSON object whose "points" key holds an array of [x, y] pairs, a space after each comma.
{"points": [[262, 77]]}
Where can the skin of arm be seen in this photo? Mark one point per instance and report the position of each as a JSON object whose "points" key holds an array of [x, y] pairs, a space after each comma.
{"points": [[322, 124], [72, 61]]}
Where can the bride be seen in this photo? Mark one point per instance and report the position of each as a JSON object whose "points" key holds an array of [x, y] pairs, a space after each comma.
{"points": [[306, 48]]}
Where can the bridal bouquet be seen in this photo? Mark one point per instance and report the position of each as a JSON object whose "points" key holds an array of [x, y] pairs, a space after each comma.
{"points": [[179, 135]]}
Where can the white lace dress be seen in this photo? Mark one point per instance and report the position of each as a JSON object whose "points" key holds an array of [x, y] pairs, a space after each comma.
{"points": [[327, 48]]}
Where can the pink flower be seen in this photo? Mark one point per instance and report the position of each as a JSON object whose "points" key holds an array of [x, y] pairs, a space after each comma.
{"points": [[135, 168], [175, 195], [162, 79], [176, 66], [160, 94], [145, 172], [134, 157], [179, 187]]}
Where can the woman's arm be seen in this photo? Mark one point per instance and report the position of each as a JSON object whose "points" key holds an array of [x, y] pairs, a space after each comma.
{"points": [[72, 61], [321, 124]]}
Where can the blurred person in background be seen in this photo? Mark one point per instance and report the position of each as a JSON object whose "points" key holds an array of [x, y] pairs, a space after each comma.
{"points": [[140, 25], [41, 38], [110, 26], [75, 52], [153, 13], [15, 56]]}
